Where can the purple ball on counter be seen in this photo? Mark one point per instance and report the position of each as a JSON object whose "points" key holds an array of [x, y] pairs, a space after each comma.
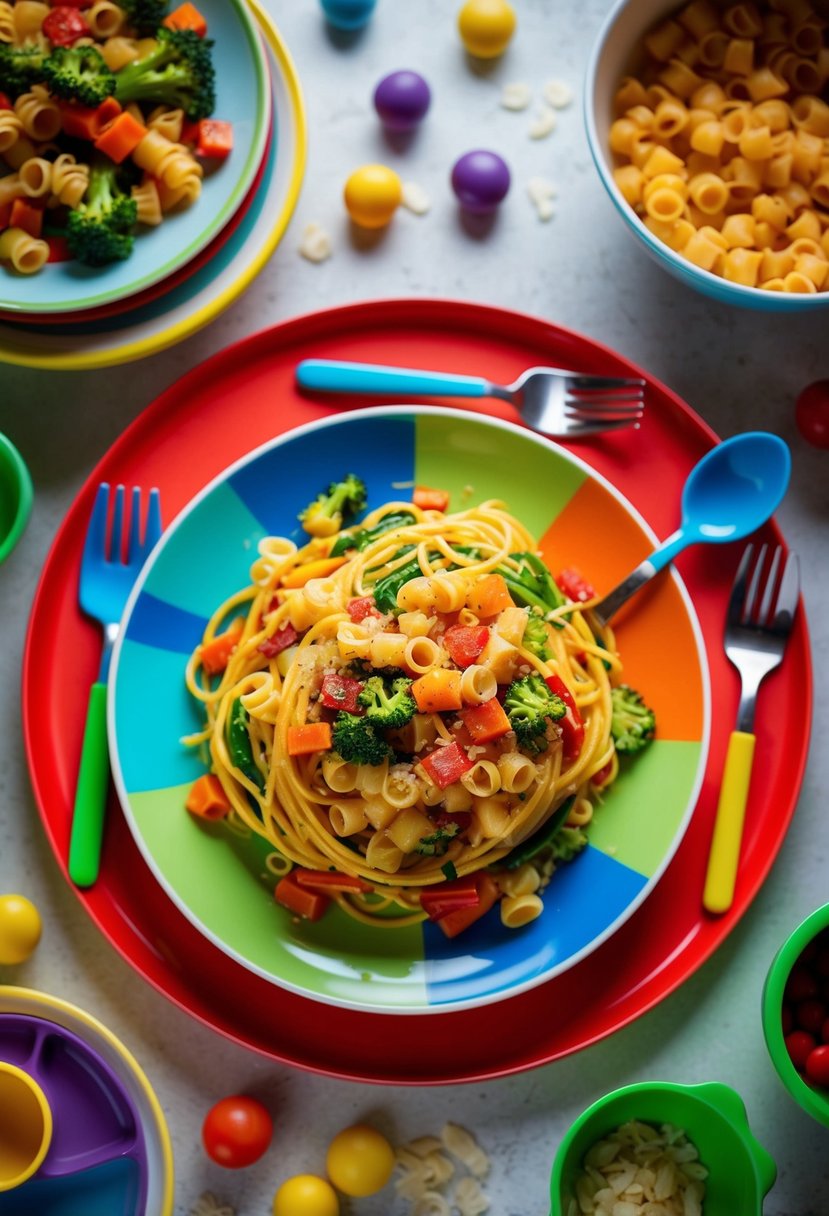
{"points": [[481, 180], [402, 99]]}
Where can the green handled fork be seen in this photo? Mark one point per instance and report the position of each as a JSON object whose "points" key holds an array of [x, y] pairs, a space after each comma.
{"points": [[112, 559]]}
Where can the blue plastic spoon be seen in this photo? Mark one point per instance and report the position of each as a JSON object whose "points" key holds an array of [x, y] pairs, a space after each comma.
{"points": [[734, 489]]}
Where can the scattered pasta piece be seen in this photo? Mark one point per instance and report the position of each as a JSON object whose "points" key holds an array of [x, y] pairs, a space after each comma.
{"points": [[415, 199], [469, 1199], [208, 1205], [316, 243], [427, 1172], [641, 1168], [431, 1203], [558, 94], [463, 1145], [543, 124], [541, 193], [516, 96]]}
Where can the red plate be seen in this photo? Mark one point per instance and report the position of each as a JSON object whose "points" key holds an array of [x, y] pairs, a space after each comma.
{"points": [[240, 398]]}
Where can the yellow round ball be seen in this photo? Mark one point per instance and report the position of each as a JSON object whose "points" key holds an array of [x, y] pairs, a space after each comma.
{"points": [[372, 195], [360, 1161], [20, 928], [306, 1195], [486, 27]]}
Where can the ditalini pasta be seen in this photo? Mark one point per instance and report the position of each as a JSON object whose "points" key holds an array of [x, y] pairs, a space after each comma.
{"points": [[721, 142], [409, 711], [104, 127]]}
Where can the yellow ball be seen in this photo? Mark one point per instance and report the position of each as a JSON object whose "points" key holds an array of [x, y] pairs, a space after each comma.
{"points": [[306, 1195], [20, 928], [360, 1161], [372, 195], [486, 27]]}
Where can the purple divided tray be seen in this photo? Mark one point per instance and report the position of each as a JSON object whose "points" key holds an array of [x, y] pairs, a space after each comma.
{"points": [[95, 1121]]}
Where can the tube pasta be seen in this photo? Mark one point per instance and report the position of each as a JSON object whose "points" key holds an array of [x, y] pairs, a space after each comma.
{"points": [[27, 254], [39, 115]]}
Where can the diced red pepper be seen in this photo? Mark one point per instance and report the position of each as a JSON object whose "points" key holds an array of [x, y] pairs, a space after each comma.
{"points": [[58, 249], [446, 765], [571, 725], [280, 640], [429, 499], [486, 722], [446, 897], [27, 213], [189, 132], [330, 882], [575, 586], [64, 25], [310, 905], [361, 607], [5, 102], [461, 820], [599, 778], [340, 692], [465, 643], [215, 139]]}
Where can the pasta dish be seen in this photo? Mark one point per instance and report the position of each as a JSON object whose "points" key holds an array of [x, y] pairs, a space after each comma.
{"points": [[414, 713]]}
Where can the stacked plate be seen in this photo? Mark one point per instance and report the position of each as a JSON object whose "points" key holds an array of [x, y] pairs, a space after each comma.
{"points": [[185, 272]]}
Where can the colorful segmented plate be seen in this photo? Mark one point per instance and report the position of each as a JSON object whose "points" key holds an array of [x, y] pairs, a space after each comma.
{"points": [[205, 557], [239, 399]]}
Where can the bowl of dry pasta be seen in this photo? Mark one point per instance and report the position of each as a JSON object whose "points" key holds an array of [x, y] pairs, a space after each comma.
{"points": [[709, 125], [130, 136]]}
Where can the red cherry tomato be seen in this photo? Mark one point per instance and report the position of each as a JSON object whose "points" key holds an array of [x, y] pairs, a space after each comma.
{"points": [[799, 1045], [817, 1065], [811, 1015], [801, 984], [236, 1131], [811, 413], [64, 25]]}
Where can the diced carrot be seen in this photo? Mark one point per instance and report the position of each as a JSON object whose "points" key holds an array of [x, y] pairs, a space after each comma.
{"points": [[5, 215], [84, 122], [58, 249], [215, 139], [120, 137], [329, 881], [186, 17], [25, 215], [310, 737], [489, 597], [320, 568], [310, 905], [207, 799], [438, 690], [487, 721], [430, 500], [488, 894], [214, 655]]}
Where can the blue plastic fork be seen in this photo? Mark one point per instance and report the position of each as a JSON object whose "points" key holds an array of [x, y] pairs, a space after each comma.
{"points": [[107, 578]]}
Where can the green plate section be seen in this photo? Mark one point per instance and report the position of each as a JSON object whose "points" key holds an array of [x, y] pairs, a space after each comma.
{"points": [[336, 958], [514, 467], [646, 805]]}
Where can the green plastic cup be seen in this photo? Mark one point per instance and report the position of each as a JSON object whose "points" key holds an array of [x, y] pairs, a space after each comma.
{"points": [[740, 1171], [814, 1101], [15, 496]]}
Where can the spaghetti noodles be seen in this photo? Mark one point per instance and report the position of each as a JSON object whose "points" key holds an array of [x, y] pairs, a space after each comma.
{"points": [[404, 708]]}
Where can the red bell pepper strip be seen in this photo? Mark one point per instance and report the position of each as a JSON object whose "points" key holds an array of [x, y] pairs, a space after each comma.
{"points": [[486, 722], [5, 102], [461, 918], [58, 249], [280, 640], [310, 905], [446, 765], [64, 25], [340, 692], [465, 643], [571, 725], [575, 586], [330, 882], [446, 897]]}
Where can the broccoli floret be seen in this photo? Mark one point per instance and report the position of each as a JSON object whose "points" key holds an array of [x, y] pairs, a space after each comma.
{"points": [[326, 514], [355, 739], [20, 68], [178, 72], [99, 229], [145, 15], [388, 703], [79, 73], [632, 723], [568, 843], [536, 637], [529, 704]]}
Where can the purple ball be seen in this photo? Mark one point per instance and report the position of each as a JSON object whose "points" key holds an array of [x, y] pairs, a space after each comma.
{"points": [[481, 180], [401, 99]]}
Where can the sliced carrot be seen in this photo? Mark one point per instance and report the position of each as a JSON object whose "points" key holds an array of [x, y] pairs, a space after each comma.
{"points": [[186, 17], [214, 140], [85, 122], [26, 215], [330, 881], [215, 654], [489, 597], [310, 737], [207, 799], [121, 137], [438, 690], [487, 721], [310, 905], [430, 500], [488, 894], [320, 568]]}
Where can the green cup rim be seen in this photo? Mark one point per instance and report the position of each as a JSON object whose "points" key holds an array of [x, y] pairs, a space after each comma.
{"points": [[14, 470], [811, 1100]]}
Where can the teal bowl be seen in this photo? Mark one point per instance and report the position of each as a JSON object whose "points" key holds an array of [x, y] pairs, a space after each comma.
{"points": [[15, 496], [617, 52], [813, 1100]]}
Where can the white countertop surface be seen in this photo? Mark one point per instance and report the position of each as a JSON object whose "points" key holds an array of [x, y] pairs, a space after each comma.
{"points": [[738, 370]]}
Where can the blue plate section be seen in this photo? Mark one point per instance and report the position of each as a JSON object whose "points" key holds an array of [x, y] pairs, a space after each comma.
{"points": [[108, 1190], [152, 718], [280, 483], [156, 623], [595, 890]]}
